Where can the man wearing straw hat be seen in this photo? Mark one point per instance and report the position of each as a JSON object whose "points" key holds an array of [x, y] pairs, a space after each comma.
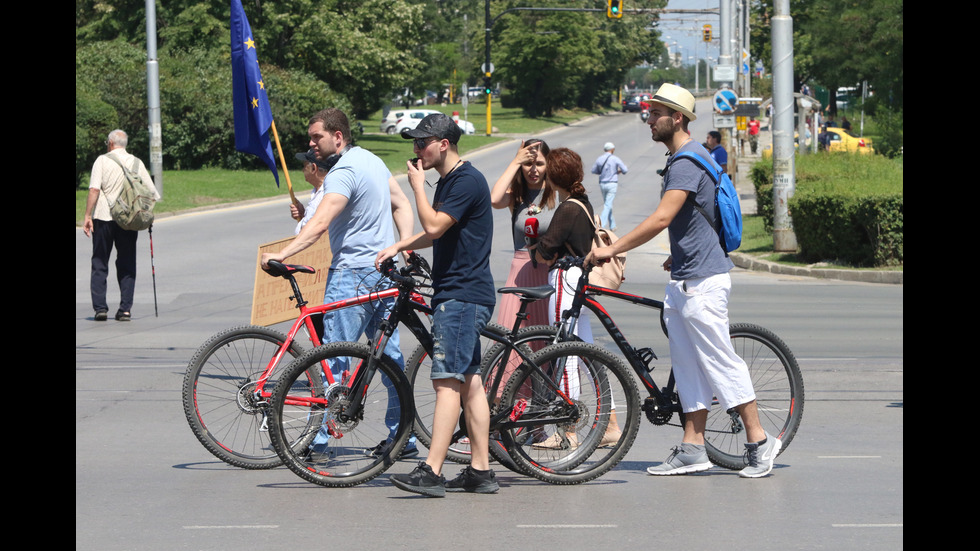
{"points": [[696, 304]]}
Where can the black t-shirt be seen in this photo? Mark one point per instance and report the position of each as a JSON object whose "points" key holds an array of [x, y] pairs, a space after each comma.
{"points": [[461, 257]]}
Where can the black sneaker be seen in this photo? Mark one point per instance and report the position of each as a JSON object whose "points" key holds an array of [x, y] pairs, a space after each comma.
{"points": [[421, 481], [101, 315], [471, 480]]}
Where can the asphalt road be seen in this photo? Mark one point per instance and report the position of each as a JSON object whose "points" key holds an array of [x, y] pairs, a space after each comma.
{"points": [[142, 481]]}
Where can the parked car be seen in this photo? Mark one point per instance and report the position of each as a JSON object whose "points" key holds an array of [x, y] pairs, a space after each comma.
{"points": [[836, 139], [389, 124], [842, 140]]}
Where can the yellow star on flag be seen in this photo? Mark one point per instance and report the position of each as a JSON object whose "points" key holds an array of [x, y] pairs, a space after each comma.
{"points": [[261, 85], [249, 43], [255, 103]]}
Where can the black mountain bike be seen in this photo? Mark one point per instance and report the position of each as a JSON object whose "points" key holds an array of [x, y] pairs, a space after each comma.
{"points": [[549, 428], [775, 373]]}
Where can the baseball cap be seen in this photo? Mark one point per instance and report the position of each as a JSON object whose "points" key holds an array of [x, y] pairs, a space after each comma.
{"points": [[436, 125], [309, 156]]}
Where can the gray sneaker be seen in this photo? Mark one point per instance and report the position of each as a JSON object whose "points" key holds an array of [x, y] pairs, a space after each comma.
{"points": [[683, 459], [760, 459]]}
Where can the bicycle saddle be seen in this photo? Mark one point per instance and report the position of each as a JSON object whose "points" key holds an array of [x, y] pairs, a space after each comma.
{"points": [[279, 269], [536, 293]]}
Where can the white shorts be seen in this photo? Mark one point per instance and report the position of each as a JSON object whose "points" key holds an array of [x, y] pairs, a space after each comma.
{"points": [[705, 363]]}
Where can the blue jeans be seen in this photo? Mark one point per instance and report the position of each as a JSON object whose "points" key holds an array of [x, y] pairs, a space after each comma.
{"points": [[456, 328], [349, 324], [608, 194]]}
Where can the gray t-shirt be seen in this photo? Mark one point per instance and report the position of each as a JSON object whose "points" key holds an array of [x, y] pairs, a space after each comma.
{"points": [[365, 225], [522, 213], [694, 243]]}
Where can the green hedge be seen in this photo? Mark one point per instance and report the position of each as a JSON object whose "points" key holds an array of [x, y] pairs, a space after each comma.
{"points": [[845, 207]]}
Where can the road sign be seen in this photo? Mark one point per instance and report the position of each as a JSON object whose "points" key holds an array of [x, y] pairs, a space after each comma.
{"points": [[724, 73], [725, 101], [723, 121], [483, 68]]}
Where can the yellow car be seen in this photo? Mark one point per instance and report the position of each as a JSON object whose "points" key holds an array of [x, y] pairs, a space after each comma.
{"points": [[839, 139], [835, 139]]}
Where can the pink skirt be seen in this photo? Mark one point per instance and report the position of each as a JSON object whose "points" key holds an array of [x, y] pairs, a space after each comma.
{"points": [[522, 274]]}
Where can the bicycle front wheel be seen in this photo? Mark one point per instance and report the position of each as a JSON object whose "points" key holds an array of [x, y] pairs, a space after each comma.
{"points": [[318, 433], [778, 385], [563, 443], [221, 400]]}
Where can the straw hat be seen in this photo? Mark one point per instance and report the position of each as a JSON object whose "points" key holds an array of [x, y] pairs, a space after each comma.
{"points": [[676, 98]]}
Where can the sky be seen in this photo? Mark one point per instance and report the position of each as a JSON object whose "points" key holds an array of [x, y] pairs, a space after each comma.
{"points": [[685, 29]]}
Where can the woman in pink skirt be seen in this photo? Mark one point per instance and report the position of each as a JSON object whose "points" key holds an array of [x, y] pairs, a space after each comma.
{"points": [[523, 189]]}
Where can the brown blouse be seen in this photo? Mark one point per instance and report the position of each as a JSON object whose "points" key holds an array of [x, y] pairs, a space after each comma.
{"points": [[569, 226]]}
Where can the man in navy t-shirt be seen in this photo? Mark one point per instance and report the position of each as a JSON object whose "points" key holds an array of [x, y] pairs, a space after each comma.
{"points": [[458, 225], [713, 144]]}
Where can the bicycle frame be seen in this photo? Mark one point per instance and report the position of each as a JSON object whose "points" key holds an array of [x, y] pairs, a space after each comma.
{"points": [[305, 320], [585, 296]]}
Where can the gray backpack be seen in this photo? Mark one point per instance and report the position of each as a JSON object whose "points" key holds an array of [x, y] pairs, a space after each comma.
{"points": [[133, 208]]}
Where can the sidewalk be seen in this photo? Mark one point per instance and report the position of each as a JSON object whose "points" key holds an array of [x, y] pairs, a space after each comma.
{"points": [[747, 199]]}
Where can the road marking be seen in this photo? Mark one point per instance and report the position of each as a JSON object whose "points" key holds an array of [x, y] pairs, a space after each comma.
{"points": [[848, 457], [232, 527], [566, 526], [899, 525]]}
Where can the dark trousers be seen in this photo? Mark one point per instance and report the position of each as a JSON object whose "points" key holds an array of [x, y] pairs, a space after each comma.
{"points": [[105, 236]]}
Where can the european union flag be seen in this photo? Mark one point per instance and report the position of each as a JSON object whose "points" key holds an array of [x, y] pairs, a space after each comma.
{"points": [[253, 117]]}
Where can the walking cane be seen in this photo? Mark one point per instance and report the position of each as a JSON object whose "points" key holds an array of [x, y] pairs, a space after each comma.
{"points": [[153, 270]]}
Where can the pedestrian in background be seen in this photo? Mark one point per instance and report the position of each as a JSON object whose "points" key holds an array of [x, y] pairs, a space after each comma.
{"points": [[608, 166], [104, 187]]}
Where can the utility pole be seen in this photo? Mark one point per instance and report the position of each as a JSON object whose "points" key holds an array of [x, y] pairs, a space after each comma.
{"points": [[783, 154], [153, 97]]}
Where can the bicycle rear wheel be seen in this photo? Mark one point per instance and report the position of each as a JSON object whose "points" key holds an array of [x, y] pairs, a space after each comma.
{"points": [[419, 366], [778, 385], [220, 402], [605, 397], [360, 446]]}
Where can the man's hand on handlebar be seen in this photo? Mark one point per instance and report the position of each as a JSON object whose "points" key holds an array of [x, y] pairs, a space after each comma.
{"points": [[597, 256], [385, 254]]}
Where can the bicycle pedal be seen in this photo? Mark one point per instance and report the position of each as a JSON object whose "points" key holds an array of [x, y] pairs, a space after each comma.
{"points": [[518, 410]]}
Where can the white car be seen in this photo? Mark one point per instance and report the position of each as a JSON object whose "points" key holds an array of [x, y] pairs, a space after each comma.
{"points": [[392, 122]]}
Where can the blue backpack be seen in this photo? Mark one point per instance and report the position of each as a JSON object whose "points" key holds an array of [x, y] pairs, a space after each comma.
{"points": [[726, 202]]}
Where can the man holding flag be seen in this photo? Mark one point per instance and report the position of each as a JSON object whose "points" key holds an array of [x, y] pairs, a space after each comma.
{"points": [[361, 207]]}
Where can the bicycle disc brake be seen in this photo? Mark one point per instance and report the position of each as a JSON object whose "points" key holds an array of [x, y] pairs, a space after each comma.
{"points": [[336, 420]]}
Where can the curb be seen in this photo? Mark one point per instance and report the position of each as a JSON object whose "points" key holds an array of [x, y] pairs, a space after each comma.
{"points": [[749, 262]]}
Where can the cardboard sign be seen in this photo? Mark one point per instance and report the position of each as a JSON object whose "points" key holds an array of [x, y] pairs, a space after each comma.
{"points": [[270, 298]]}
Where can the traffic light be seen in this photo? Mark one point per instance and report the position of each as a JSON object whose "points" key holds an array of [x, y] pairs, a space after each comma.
{"points": [[486, 86], [614, 9], [706, 32]]}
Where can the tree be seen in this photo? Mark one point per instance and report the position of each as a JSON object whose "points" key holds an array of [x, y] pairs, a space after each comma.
{"points": [[550, 60]]}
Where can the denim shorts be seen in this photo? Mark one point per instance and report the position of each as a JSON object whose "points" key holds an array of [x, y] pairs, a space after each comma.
{"points": [[456, 328]]}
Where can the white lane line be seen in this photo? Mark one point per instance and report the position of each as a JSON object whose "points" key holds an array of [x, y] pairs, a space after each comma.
{"points": [[233, 527], [899, 525], [562, 526]]}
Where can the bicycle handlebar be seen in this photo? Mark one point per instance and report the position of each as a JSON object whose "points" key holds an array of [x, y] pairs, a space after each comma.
{"points": [[567, 262]]}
